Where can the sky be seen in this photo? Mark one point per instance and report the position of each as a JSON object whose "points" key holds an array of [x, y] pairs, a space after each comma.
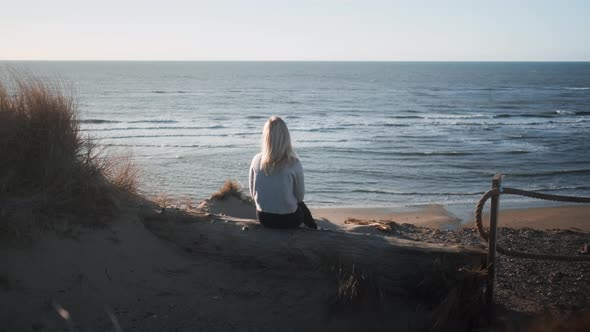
{"points": [[303, 30]]}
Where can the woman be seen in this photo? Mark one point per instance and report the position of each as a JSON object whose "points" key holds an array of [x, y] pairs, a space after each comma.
{"points": [[276, 180]]}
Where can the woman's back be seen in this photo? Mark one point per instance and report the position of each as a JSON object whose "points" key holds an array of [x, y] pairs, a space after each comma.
{"points": [[279, 190], [276, 180]]}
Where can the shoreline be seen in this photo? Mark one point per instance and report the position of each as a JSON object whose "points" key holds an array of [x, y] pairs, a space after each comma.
{"points": [[575, 217], [538, 214]]}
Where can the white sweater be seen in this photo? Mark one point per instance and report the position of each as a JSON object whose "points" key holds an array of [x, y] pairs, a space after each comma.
{"points": [[278, 192]]}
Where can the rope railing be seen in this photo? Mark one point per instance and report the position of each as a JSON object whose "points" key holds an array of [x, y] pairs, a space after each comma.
{"points": [[511, 191], [491, 236]]}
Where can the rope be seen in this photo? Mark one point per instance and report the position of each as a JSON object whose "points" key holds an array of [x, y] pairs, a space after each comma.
{"points": [[571, 199], [521, 254]]}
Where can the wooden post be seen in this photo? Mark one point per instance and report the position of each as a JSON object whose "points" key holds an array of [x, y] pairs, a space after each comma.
{"points": [[496, 184]]}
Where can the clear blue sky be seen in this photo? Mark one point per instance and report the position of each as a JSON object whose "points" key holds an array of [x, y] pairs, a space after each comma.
{"points": [[492, 30]]}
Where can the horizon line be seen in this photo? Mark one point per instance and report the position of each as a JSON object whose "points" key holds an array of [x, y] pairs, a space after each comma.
{"points": [[173, 60]]}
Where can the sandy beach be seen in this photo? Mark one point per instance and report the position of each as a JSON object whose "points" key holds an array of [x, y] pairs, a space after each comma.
{"points": [[575, 217], [435, 216]]}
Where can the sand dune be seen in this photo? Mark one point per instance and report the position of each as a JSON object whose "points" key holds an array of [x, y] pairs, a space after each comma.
{"points": [[124, 276]]}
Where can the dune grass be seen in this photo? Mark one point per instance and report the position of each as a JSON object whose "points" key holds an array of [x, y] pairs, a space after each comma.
{"points": [[47, 168], [228, 189], [167, 201]]}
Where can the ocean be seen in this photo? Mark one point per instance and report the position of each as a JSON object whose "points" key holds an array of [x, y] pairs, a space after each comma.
{"points": [[381, 134]]}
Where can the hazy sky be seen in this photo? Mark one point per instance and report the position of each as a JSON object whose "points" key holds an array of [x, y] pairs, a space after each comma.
{"points": [[295, 30]]}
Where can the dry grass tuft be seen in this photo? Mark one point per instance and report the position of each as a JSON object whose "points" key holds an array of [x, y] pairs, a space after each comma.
{"points": [[456, 298], [122, 172], [228, 189], [355, 287], [166, 201], [46, 167], [453, 300]]}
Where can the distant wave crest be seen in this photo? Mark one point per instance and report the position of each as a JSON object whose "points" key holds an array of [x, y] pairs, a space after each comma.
{"points": [[161, 136], [577, 88], [551, 173], [153, 121], [155, 128], [163, 92], [405, 117], [97, 121], [414, 193]]}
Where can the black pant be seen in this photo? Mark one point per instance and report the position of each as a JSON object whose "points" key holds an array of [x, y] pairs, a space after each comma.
{"points": [[291, 220]]}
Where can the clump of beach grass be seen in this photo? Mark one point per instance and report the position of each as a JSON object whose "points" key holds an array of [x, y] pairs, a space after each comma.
{"points": [[456, 297], [228, 189], [166, 201], [452, 300], [48, 170], [354, 286]]}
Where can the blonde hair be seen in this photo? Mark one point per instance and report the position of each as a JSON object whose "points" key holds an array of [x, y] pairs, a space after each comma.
{"points": [[276, 145]]}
